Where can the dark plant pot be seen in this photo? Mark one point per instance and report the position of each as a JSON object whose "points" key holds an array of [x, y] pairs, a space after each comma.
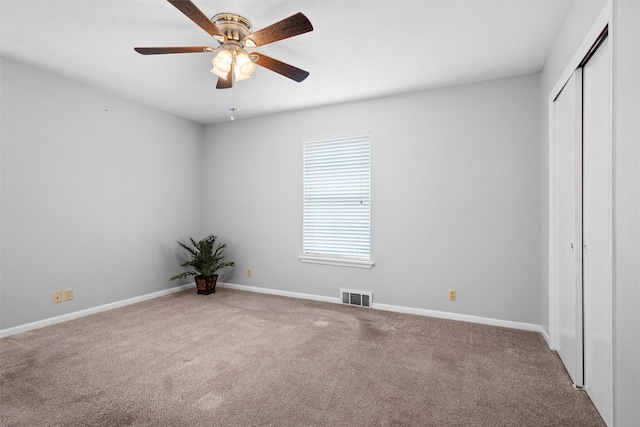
{"points": [[206, 284]]}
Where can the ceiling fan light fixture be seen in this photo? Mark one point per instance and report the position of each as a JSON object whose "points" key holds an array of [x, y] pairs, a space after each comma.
{"points": [[222, 61], [218, 73], [244, 67], [239, 77]]}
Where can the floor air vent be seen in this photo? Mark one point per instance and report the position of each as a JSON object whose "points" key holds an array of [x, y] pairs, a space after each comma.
{"points": [[359, 298]]}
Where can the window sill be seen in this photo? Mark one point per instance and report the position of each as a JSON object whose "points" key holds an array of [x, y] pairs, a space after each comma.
{"points": [[343, 262]]}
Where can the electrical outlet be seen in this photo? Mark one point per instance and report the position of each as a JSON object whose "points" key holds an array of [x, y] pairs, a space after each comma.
{"points": [[452, 294], [68, 294], [249, 272], [57, 297]]}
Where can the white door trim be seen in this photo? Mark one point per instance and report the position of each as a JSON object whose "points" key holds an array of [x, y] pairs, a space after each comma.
{"points": [[601, 23]]}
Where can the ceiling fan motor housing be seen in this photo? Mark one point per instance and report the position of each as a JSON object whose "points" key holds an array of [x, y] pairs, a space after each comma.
{"points": [[233, 26]]}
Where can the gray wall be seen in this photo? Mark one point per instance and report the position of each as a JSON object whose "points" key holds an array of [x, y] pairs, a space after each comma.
{"points": [[455, 198], [95, 192]]}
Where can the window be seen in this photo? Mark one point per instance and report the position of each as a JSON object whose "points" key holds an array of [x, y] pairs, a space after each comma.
{"points": [[336, 207]]}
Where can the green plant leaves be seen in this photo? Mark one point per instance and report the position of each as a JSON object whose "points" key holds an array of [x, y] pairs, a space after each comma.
{"points": [[204, 258]]}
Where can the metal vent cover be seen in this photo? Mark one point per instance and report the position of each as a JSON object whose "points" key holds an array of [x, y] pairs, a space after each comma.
{"points": [[359, 298]]}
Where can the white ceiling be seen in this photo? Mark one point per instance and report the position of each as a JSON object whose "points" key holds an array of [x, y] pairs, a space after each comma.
{"points": [[359, 49]]}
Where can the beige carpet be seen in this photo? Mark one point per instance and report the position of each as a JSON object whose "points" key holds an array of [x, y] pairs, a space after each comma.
{"points": [[243, 359]]}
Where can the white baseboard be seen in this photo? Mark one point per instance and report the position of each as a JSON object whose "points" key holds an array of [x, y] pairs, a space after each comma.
{"points": [[461, 317], [546, 337], [399, 309], [280, 293], [82, 313]]}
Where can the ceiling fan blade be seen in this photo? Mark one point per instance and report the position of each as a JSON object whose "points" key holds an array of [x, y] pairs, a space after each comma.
{"points": [[225, 83], [175, 49], [292, 26], [294, 73], [192, 12]]}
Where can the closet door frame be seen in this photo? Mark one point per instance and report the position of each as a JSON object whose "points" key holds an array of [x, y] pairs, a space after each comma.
{"points": [[599, 26], [602, 23]]}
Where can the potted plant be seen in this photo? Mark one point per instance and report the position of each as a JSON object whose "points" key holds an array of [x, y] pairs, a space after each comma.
{"points": [[204, 259]]}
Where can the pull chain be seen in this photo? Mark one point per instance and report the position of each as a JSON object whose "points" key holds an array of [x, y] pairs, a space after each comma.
{"points": [[233, 102]]}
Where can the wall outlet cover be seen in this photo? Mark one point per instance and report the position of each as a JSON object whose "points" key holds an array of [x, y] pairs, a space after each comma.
{"points": [[57, 297]]}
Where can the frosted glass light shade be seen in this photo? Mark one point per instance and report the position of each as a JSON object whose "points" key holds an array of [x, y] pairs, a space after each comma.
{"points": [[222, 61], [244, 66], [222, 64]]}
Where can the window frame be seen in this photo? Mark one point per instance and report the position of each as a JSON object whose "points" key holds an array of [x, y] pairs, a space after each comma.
{"points": [[337, 259]]}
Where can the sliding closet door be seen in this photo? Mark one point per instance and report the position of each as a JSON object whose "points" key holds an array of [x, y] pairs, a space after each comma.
{"points": [[568, 146], [597, 231]]}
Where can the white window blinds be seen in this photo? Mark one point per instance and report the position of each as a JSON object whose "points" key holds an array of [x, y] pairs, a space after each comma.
{"points": [[336, 209]]}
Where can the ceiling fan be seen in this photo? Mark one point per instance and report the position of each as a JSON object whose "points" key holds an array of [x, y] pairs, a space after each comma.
{"points": [[234, 34]]}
